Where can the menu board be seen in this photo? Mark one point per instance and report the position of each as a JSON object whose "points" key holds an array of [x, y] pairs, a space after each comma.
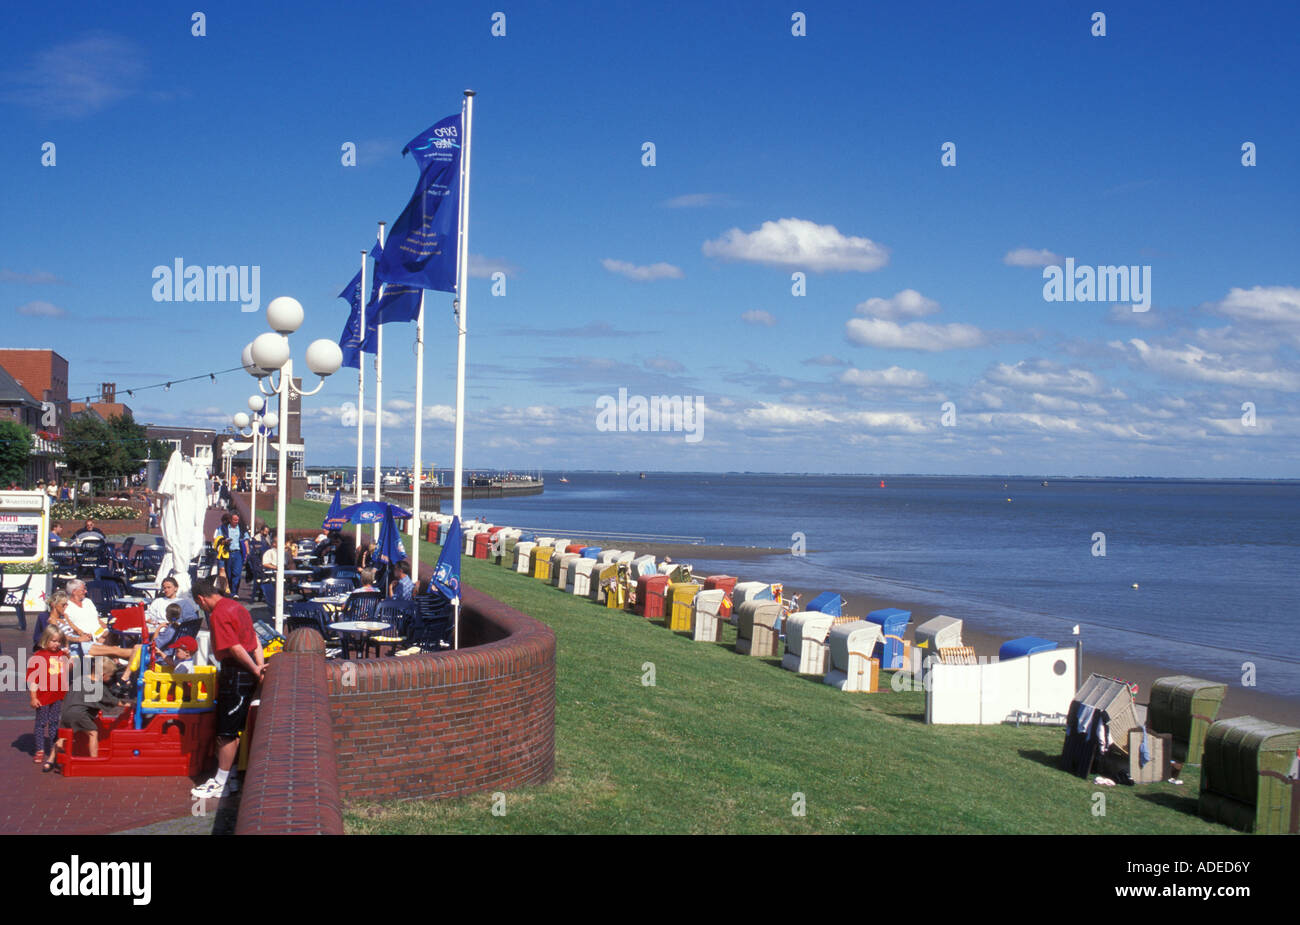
{"points": [[20, 536], [22, 526]]}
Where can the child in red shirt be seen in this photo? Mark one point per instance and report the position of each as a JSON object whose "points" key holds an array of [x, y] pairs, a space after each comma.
{"points": [[47, 681]]}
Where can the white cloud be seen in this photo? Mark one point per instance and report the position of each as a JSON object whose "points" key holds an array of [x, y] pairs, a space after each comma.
{"points": [[893, 377], [80, 77], [905, 304], [40, 309], [697, 200], [35, 278], [889, 335], [1192, 362], [1028, 257], [758, 316], [1277, 304], [642, 273], [481, 267], [445, 414], [826, 359], [664, 364], [801, 245], [1045, 376]]}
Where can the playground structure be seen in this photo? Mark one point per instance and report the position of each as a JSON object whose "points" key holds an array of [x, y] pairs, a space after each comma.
{"points": [[168, 732]]}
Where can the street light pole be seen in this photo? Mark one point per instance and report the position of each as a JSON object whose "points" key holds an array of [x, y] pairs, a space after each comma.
{"points": [[265, 357]]}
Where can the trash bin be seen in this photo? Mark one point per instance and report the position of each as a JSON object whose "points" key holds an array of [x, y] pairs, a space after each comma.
{"points": [[1248, 776], [1185, 707], [805, 642], [893, 624], [651, 596], [827, 602], [682, 607]]}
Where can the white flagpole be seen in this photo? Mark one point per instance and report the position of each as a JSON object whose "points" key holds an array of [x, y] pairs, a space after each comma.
{"points": [[379, 396], [462, 300], [361, 391], [419, 461]]}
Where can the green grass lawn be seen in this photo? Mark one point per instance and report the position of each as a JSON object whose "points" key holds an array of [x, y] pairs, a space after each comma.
{"points": [[723, 743]]}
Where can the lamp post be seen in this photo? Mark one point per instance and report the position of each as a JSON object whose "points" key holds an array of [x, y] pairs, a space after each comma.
{"points": [[262, 425], [267, 356]]}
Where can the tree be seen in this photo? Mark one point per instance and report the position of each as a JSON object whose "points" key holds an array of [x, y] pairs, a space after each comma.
{"points": [[15, 452], [88, 447]]}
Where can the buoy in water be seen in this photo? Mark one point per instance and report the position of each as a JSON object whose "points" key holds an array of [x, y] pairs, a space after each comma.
{"points": [[1135, 586], [1008, 499], [882, 483]]}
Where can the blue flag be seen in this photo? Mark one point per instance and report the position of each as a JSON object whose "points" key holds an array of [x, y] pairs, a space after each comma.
{"points": [[351, 341], [398, 302], [421, 251], [446, 574]]}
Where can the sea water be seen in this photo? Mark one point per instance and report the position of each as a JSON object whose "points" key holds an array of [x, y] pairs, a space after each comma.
{"points": [[1216, 563]]}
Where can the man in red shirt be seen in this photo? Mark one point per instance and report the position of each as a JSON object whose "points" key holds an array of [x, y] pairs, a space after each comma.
{"points": [[235, 646]]}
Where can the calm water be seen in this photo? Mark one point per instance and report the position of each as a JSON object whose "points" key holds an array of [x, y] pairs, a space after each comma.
{"points": [[1218, 563]]}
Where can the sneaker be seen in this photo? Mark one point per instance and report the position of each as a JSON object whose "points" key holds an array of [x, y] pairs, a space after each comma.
{"points": [[211, 790]]}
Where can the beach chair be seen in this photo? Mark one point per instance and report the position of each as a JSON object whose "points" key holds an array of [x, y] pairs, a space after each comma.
{"points": [[849, 649], [805, 642], [706, 622], [756, 628]]}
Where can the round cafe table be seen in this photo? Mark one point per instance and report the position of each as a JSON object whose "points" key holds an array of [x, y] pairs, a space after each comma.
{"points": [[363, 629], [151, 588]]}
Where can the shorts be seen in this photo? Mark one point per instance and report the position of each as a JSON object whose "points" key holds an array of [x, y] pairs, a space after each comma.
{"points": [[235, 686], [79, 717]]}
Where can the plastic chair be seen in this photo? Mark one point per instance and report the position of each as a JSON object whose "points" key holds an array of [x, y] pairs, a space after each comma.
{"points": [[431, 630], [103, 594], [398, 614]]}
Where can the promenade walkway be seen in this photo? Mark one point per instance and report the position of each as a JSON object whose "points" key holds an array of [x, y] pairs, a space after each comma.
{"points": [[33, 803]]}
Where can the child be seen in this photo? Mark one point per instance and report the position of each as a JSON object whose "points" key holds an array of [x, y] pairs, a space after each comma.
{"points": [[181, 657], [47, 680], [81, 709]]}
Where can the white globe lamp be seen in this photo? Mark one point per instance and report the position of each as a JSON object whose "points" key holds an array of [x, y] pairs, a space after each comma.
{"points": [[284, 314]]}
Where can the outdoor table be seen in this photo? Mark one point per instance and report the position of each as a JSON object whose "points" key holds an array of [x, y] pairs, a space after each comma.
{"points": [[362, 628], [312, 586], [151, 587]]}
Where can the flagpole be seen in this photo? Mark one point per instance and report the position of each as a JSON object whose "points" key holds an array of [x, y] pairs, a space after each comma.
{"points": [[462, 300], [419, 461], [361, 391], [379, 390]]}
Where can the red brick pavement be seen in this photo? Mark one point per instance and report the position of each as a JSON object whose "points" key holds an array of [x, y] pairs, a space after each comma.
{"points": [[35, 803]]}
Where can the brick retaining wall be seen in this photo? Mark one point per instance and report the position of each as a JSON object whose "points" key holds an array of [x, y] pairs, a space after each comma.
{"points": [[450, 723], [440, 725], [291, 787]]}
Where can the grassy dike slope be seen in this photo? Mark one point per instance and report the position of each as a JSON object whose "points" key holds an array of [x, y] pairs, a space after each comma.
{"points": [[722, 743]]}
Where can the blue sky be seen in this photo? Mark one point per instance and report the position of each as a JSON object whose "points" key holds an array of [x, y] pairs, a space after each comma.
{"points": [[774, 154]]}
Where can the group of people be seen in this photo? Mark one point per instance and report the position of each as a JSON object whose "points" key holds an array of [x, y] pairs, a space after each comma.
{"points": [[72, 675]]}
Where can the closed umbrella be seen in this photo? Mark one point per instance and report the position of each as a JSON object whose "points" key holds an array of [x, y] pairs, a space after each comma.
{"points": [[182, 495], [334, 519]]}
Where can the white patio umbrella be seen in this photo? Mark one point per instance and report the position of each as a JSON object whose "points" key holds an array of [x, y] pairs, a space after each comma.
{"points": [[182, 519]]}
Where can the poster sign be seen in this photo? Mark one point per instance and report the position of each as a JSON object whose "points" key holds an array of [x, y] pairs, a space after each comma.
{"points": [[24, 526]]}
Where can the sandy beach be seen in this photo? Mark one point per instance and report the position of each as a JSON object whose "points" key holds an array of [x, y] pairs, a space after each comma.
{"points": [[1240, 701]]}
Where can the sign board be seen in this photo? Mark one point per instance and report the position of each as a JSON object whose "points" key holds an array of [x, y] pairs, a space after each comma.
{"points": [[24, 526]]}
